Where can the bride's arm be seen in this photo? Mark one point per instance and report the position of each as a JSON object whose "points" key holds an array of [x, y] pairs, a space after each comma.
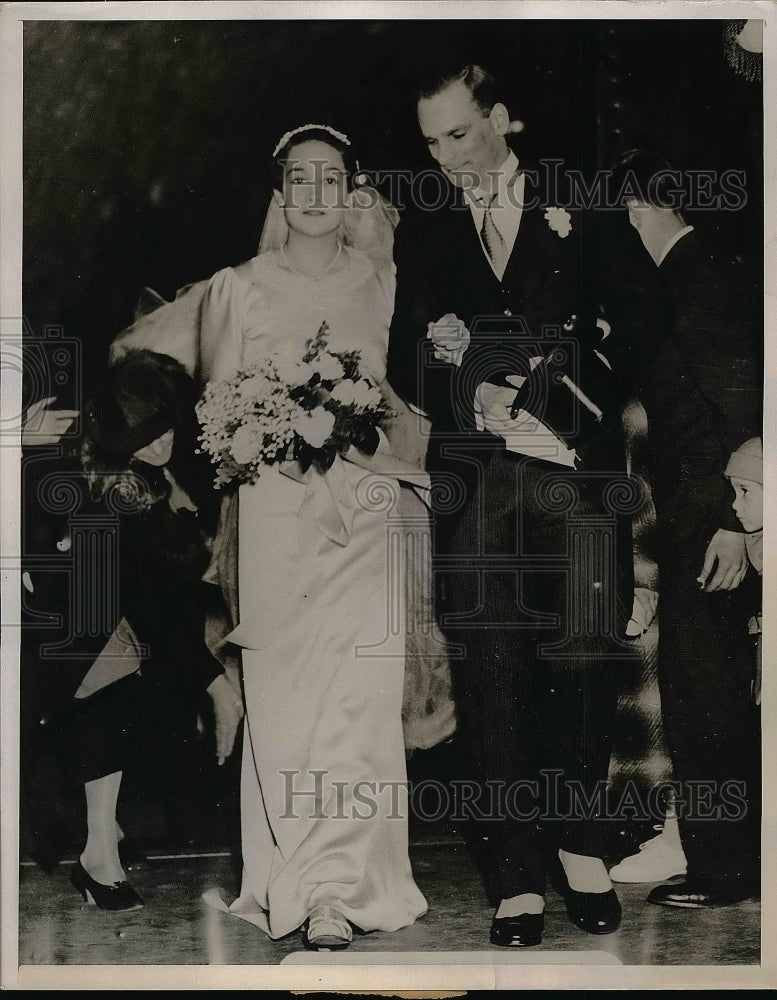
{"points": [[173, 328], [221, 345], [408, 432]]}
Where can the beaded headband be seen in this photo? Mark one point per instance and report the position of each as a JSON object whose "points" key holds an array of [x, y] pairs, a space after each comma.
{"points": [[287, 136]]}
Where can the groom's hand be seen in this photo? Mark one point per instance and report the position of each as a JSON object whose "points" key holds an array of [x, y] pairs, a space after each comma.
{"points": [[450, 338], [521, 431], [492, 407]]}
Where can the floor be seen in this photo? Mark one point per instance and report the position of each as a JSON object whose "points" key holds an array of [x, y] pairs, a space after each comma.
{"points": [[176, 928], [194, 847]]}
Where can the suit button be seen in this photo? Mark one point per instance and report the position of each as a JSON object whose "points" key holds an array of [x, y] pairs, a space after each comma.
{"points": [[508, 312]]}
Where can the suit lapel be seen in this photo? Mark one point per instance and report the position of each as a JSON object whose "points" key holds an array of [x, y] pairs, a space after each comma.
{"points": [[532, 254], [532, 251], [466, 237]]}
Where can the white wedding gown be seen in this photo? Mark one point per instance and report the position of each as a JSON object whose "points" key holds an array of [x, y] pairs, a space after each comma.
{"points": [[321, 597]]}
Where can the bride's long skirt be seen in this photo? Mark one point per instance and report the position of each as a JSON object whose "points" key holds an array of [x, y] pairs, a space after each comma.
{"points": [[323, 793]]}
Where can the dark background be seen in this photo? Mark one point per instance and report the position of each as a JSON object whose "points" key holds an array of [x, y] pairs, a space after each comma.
{"points": [[147, 143], [147, 163]]}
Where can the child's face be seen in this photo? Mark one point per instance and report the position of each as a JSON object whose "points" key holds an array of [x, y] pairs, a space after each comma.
{"points": [[157, 452], [748, 503]]}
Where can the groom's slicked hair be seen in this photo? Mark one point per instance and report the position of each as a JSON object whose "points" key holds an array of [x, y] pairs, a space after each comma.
{"points": [[478, 80]]}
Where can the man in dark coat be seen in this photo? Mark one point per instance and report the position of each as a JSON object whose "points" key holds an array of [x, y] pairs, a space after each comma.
{"points": [[702, 396], [499, 288]]}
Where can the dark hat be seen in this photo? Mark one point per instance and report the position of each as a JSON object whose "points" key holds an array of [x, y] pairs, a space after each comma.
{"points": [[141, 396]]}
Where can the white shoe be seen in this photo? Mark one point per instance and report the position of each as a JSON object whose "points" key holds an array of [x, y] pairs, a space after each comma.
{"points": [[657, 859], [327, 929]]}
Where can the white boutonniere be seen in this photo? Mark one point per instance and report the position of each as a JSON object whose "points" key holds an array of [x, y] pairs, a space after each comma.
{"points": [[560, 221]]}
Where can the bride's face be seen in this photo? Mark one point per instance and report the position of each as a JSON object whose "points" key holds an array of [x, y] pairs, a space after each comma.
{"points": [[314, 188]]}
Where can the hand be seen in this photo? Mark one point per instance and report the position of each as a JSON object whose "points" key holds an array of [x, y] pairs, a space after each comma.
{"points": [[726, 555], [492, 408], [45, 426], [643, 611], [228, 711], [450, 338]]}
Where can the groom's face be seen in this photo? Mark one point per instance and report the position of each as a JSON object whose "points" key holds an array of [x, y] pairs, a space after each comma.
{"points": [[465, 143]]}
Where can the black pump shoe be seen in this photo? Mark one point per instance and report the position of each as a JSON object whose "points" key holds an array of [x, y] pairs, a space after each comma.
{"points": [[594, 912], [522, 931], [119, 896]]}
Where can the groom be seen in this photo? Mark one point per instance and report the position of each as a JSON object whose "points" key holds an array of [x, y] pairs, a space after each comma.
{"points": [[495, 338]]}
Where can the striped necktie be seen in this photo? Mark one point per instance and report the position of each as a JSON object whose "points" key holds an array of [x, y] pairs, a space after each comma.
{"points": [[493, 240]]}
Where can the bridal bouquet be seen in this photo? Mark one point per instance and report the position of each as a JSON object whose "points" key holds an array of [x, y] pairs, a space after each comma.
{"points": [[310, 410]]}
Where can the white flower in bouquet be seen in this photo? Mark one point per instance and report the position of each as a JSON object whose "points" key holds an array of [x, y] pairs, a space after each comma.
{"points": [[292, 370], [344, 392], [257, 386], [316, 426], [366, 394], [305, 372], [279, 410], [329, 367], [246, 443]]}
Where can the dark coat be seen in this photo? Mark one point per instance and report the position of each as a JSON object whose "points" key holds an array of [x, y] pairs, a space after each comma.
{"points": [[90, 563], [702, 396], [553, 290], [702, 393]]}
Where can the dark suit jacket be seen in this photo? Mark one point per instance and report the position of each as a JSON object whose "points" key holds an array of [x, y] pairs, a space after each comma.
{"points": [[552, 291], [702, 393]]}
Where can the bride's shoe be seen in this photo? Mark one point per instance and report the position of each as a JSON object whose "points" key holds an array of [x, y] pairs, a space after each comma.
{"points": [[327, 928]]}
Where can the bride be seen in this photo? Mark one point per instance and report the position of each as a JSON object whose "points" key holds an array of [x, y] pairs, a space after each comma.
{"points": [[323, 791]]}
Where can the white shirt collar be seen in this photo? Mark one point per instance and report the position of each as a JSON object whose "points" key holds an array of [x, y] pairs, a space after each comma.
{"points": [[506, 171], [675, 239], [506, 209]]}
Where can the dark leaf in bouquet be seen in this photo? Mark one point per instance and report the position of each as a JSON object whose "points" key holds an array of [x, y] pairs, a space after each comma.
{"points": [[304, 455], [326, 457], [299, 393], [343, 420], [232, 486], [366, 439], [317, 344], [350, 362]]}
